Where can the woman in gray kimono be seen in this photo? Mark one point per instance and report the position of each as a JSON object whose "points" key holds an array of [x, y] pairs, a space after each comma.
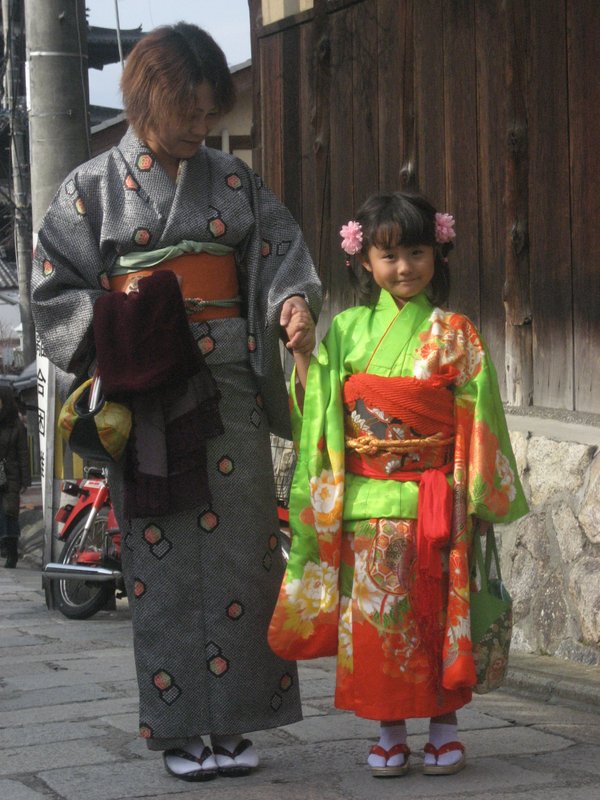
{"points": [[202, 580]]}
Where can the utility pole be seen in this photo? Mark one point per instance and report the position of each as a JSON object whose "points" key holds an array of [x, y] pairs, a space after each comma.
{"points": [[59, 141], [15, 101], [58, 95]]}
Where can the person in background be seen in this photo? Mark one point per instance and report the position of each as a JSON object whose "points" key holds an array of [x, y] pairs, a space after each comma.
{"points": [[157, 227], [14, 474], [403, 454]]}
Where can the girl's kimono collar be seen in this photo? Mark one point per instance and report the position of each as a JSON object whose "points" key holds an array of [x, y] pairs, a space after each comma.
{"points": [[398, 326], [417, 306]]}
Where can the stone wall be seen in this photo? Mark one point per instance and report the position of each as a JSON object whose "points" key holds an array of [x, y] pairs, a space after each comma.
{"points": [[551, 558]]}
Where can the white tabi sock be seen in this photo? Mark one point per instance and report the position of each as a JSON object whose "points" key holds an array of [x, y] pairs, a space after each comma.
{"points": [[195, 747], [389, 735], [439, 734], [248, 758]]}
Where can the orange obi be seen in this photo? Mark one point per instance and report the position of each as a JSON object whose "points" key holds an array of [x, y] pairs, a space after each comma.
{"points": [[209, 284]]}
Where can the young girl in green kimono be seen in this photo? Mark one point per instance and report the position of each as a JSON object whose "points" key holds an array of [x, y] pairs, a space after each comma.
{"points": [[403, 450]]}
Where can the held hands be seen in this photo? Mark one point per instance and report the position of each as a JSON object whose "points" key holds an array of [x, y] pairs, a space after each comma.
{"points": [[299, 325]]}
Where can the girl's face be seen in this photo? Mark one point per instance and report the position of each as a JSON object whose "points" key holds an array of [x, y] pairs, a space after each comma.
{"points": [[402, 271]]}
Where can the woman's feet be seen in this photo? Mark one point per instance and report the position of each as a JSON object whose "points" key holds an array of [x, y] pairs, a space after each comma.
{"points": [[194, 762], [235, 756], [389, 758]]}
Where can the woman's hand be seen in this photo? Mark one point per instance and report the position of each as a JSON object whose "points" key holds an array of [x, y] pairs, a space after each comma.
{"points": [[298, 324]]}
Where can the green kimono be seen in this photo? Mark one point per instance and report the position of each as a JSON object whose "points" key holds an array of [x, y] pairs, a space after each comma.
{"points": [[349, 587]]}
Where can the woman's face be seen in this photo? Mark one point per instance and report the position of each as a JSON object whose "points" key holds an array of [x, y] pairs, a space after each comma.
{"points": [[178, 139]]}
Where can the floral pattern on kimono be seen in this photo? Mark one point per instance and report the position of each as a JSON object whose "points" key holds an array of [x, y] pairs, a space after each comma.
{"points": [[331, 601]]}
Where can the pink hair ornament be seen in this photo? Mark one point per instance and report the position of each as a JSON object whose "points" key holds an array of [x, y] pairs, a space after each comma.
{"points": [[352, 239], [444, 228]]}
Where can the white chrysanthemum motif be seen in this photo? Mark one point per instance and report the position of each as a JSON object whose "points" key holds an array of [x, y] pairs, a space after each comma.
{"points": [[327, 497], [316, 591], [359, 421], [507, 477], [421, 370], [345, 632], [437, 319], [367, 595]]}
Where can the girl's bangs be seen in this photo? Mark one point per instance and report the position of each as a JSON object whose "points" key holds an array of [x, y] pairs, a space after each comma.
{"points": [[407, 227]]}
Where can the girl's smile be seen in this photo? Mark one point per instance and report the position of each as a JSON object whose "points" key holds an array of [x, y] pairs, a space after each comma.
{"points": [[402, 271]]}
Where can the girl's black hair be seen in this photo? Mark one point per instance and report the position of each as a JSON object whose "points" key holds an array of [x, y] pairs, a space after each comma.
{"points": [[399, 218]]}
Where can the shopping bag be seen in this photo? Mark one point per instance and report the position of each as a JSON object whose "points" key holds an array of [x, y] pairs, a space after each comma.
{"points": [[94, 428], [491, 617]]}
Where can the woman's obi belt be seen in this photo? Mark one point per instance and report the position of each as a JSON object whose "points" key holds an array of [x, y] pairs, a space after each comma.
{"points": [[208, 281], [426, 409]]}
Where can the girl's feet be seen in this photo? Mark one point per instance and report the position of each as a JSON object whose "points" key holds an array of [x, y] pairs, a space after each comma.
{"points": [[194, 762], [235, 756], [444, 754], [389, 757]]}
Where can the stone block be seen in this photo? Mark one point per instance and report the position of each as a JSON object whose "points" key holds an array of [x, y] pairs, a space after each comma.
{"points": [[585, 587], [589, 516], [528, 563], [519, 443], [13, 790], [54, 756], [556, 467], [552, 620], [569, 535]]}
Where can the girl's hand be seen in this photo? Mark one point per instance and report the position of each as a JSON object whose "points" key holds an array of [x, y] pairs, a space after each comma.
{"points": [[298, 324]]}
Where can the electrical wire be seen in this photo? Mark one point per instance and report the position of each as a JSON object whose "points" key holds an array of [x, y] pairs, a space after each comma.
{"points": [[119, 43], [82, 74]]}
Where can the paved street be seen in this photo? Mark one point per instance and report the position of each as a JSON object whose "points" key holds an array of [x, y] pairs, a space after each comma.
{"points": [[68, 725]]}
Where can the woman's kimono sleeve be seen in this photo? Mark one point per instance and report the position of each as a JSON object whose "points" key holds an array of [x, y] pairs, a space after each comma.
{"points": [[277, 265], [66, 280], [305, 621]]}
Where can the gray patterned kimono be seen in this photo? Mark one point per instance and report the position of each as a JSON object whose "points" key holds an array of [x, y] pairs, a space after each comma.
{"points": [[202, 584]]}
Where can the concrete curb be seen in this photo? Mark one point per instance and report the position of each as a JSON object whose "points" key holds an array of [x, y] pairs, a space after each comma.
{"points": [[552, 679]]}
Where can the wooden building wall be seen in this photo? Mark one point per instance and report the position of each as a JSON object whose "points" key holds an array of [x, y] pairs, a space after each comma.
{"points": [[491, 107]]}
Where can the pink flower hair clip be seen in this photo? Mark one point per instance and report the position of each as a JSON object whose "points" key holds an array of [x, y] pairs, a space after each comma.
{"points": [[444, 228], [352, 239]]}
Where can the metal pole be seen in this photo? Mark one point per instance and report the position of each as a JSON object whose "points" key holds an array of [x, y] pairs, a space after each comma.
{"points": [[14, 88], [58, 95], [59, 141]]}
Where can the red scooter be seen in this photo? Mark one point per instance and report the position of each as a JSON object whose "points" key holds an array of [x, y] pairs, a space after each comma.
{"points": [[88, 573]]}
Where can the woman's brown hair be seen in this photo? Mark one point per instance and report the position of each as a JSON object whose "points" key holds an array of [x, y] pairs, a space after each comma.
{"points": [[163, 71]]}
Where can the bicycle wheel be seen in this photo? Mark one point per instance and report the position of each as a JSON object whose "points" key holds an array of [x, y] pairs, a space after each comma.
{"points": [[78, 599]]}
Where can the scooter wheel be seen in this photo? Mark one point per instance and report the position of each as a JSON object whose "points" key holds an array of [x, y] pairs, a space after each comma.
{"points": [[78, 599]]}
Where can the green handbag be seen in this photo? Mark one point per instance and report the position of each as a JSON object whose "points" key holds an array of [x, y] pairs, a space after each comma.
{"points": [[491, 617]]}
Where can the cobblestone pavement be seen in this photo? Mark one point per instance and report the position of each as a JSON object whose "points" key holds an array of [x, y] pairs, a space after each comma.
{"points": [[68, 725]]}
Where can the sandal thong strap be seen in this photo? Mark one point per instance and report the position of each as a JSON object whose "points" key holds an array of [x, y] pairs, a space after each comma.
{"points": [[178, 753], [445, 748], [219, 750], [378, 750]]}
